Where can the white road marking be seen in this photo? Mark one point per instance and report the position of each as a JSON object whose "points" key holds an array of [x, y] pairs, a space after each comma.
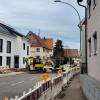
{"points": [[32, 78], [17, 83]]}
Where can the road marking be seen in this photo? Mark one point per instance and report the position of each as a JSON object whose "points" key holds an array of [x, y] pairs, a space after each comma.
{"points": [[32, 78], [17, 83]]}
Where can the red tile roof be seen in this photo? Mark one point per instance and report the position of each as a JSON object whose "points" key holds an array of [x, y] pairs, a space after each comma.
{"points": [[48, 42], [35, 40], [71, 53]]}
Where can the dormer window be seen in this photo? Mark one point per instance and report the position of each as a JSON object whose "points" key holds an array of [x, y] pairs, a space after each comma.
{"points": [[30, 34]]}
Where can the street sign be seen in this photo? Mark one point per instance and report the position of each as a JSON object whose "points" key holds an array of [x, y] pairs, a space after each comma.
{"points": [[45, 76], [6, 98]]}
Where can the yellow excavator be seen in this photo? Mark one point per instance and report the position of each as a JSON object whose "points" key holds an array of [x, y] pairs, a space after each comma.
{"points": [[34, 64]]}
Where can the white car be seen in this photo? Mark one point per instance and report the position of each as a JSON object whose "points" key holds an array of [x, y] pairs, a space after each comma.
{"points": [[48, 69]]}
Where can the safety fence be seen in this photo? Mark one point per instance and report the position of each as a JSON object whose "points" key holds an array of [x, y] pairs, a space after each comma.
{"points": [[48, 90], [4, 69]]}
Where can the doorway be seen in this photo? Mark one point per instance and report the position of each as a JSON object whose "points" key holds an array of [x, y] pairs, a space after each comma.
{"points": [[16, 61]]}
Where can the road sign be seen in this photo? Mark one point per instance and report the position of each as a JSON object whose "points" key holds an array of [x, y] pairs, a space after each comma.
{"points": [[45, 76], [6, 98]]}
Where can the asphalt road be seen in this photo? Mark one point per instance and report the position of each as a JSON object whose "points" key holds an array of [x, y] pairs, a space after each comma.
{"points": [[14, 85]]}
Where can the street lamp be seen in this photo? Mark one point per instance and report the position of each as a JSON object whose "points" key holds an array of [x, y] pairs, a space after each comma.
{"points": [[71, 6], [79, 25]]}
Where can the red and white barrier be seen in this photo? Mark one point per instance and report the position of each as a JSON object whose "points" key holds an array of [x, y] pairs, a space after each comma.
{"points": [[48, 90], [4, 69]]}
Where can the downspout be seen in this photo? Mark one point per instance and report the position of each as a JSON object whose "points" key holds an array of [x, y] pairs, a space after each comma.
{"points": [[85, 70]]}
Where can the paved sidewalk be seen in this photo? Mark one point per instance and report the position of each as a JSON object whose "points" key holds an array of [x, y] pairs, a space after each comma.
{"points": [[10, 74], [73, 92]]}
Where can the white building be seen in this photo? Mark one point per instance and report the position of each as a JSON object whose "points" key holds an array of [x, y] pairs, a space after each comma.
{"points": [[14, 47], [93, 38]]}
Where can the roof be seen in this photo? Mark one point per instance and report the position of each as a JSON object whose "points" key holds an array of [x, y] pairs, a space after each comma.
{"points": [[48, 42], [9, 30], [71, 53], [35, 40]]}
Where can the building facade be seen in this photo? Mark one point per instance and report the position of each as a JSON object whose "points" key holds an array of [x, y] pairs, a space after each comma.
{"points": [[38, 47], [93, 38], [72, 56], [14, 47], [49, 43]]}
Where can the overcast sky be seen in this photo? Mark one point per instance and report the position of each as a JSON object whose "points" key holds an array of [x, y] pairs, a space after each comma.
{"points": [[55, 20]]}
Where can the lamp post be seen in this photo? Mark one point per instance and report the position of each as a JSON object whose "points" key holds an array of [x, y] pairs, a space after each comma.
{"points": [[79, 25]]}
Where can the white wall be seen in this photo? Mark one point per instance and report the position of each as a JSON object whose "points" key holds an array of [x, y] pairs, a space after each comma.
{"points": [[23, 53], [83, 44], [42, 53], [93, 26], [16, 49]]}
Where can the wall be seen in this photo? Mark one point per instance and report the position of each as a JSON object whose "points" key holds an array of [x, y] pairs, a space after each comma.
{"points": [[42, 53], [93, 26], [4, 54], [16, 49], [23, 53], [83, 43]]}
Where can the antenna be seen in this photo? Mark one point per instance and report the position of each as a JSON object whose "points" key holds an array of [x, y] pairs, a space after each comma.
{"points": [[38, 32]]}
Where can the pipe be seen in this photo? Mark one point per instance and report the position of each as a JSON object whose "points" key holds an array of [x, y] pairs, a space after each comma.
{"points": [[86, 67]]}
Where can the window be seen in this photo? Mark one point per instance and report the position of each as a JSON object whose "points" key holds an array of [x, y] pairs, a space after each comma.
{"points": [[8, 46], [1, 45], [43, 57], [38, 49], [30, 34], [23, 60], [94, 4], [37, 56], [89, 7], [23, 46], [44, 50], [95, 43], [0, 60], [8, 61], [27, 50], [89, 41]]}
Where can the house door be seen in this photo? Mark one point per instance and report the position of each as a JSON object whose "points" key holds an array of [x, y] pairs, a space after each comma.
{"points": [[16, 61], [8, 61]]}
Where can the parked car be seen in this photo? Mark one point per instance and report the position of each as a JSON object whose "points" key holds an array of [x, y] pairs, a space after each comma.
{"points": [[48, 69]]}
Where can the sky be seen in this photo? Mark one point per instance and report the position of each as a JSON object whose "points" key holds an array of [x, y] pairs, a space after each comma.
{"points": [[54, 20]]}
